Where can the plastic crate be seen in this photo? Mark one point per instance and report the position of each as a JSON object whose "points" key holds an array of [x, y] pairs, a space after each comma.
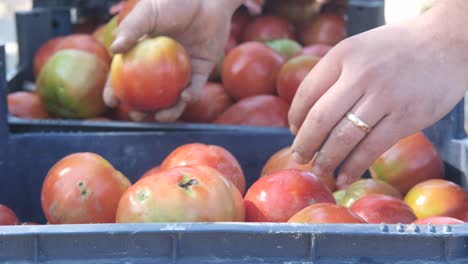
{"points": [[26, 157], [35, 27]]}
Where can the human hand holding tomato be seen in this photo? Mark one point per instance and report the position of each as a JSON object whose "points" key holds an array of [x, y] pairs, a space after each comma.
{"points": [[201, 26], [398, 79]]}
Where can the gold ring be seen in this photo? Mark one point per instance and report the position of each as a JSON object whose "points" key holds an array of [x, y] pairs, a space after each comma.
{"points": [[358, 122]]}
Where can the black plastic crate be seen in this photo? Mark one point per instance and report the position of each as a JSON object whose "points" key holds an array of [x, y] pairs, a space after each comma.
{"points": [[26, 157]]}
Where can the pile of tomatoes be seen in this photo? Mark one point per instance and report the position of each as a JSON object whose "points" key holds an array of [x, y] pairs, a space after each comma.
{"points": [[205, 183], [264, 62]]}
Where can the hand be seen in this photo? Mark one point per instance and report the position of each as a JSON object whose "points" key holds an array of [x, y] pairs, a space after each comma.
{"points": [[398, 79], [201, 26]]}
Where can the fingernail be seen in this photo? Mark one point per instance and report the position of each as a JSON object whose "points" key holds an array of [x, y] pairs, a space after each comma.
{"points": [[293, 129], [118, 42]]}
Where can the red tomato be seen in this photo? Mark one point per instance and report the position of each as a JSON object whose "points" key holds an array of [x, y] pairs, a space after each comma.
{"points": [[278, 196], [265, 28], [26, 105], [292, 73], [463, 215], [327, 29], [152, 75], [436, 197], [282, 160], [316, 50], [86, 43], [438, 220], [44, 53], [182, 194], [295, 11], [379, 208], [412, 160], [127, 7], [152, 171], [260, 110], [209, 155], [239, 21], [213, 101], [251, 69], [7, 216], [326, 213], [364, 187], [82, 188]]}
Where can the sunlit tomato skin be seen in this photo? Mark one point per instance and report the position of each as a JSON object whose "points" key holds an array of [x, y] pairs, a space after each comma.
{"points": [[339, 195], [251, 69], [436, 197], [412, 160], [88, 43], [182, 194], [105, 34], [213, 101], [152, 171], [82, 188], [151, 75], [283, 160], [317, 50], [239, 21], [327, 29], [213, 156], [71, 84], [7, 216], [378, 208], [326, 213], [278, 196], [260, 110], [364, 187], [26, 105], [44, 53], [438, 220], [266, 28], [292, 73]]}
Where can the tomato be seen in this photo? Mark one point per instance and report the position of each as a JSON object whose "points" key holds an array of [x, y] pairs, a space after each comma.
{"points": [[327, 29], [295, 11], [251, 69], [379, 208], [213, 101], [151, 75], [436, 197], [44, 53], [260, 110], [463, 215], [7, 216], [239, 21], [285, 47], [292, 73], [88, 43], [283, 160], [364, 187], [26, 105], [71, 84], [278, 196], [182, 194], [326, 213], [123, 113], [213, 156], [105, 34], [412, 160], [265, 28], [316, 50], [152, 171], [127, 7], [82, 188], [438, 220], [339, 195]]}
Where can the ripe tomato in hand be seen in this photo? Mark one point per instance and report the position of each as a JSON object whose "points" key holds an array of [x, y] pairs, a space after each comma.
{"points": [[182, 194], [291, 75], [82, 188], [209, 155], [7, 216], [151, 75], [278, 196], [326, 213], [327, 29], [379, 208], [251, 69], [260, 110], [266, 28], [26, 105]]}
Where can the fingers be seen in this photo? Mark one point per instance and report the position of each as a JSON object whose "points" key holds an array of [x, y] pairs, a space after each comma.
{"points": [[138, 23], [201, 69], [317, 82], [322, 118], [346, 136], [379, 140], [172, 114], [108, 94]]}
